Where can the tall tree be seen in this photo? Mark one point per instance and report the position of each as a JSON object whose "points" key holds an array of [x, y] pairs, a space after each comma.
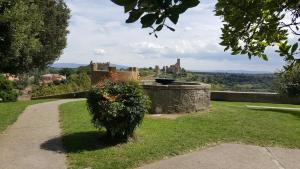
{"points": [[250, 26], [33, 33], [288, 81], [20, 24], [53, 37]]}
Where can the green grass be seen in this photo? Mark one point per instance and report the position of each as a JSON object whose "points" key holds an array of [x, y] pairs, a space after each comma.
{"points": [[9, 112], [158, 138]]}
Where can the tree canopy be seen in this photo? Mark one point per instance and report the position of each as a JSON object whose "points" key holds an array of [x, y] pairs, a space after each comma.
{"points": [[288, 81], [33, 33], [249, 26]]}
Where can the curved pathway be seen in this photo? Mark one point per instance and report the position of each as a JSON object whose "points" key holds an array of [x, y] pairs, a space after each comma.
{"points": [[21, 144], [233, 156]]}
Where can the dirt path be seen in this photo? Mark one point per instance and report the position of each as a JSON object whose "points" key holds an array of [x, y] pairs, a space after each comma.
{"points": [[24, 144]]}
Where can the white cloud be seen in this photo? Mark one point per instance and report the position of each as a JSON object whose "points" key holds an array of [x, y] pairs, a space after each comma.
{"points": [[98, 32], [148, 48], [99, 51], [188, 28], [175, 49]]}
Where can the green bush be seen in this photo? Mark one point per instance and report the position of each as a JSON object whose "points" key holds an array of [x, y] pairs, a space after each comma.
{"points": [[118, 107], [76, 83], [21, 84], [7, 92], [83, 80]]}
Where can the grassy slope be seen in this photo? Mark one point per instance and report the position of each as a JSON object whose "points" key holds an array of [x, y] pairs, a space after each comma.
{"points": [[9, 112], [158, 138]]}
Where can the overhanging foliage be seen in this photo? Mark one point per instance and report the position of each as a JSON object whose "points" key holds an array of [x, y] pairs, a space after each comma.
{"points": [[249, 26]]}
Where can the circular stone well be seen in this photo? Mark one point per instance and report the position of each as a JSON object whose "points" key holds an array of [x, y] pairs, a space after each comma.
{"points": [[178, 97]]}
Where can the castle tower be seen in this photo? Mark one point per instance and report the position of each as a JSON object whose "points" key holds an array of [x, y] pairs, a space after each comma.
{"points": [[157, 70], [178, 63], [93, 66], [178, 67]]}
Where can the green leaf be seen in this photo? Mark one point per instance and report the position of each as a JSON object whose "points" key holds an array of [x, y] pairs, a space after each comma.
{"points": [[249, 55], [244, 52], [148, 20], [190, 3], [294, 48], [159, 28], [119, 2], [226, 48], [172, 29], [134, 15], [129, 5], [159, 20], [236, 52], [174, 17], [264, 57]]}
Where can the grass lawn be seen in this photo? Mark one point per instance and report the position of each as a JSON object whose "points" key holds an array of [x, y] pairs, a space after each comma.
{"points": [[9, 112], [159, 138]]}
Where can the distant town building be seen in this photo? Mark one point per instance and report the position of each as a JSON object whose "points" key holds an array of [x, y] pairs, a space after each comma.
{"points": [[157, 70], [11, 77], [103, 71], [174, 69], [50, 78]]}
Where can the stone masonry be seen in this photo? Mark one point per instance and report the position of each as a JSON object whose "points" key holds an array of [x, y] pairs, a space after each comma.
{"points": [[178, 98], [103, 71]]}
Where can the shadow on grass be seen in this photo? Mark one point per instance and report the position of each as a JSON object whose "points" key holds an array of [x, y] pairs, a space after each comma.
{"points": [[81, 141]]}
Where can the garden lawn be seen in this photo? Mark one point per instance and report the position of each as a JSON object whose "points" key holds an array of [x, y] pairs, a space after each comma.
{"points": [[158, 138], [9, 112]]}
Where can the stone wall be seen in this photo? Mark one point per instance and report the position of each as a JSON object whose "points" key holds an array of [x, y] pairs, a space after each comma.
{"points": [[97, 76], [178, 98], [252, 97], [24, 98], [64, 96], [103, 71], [101, 76]]}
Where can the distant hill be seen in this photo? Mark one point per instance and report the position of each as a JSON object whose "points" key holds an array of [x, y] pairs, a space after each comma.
{"points": [[67, 65], [119, 66], [235, 71], [76, 65]]}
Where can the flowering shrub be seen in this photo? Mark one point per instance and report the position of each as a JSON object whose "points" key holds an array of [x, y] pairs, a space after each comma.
{"points": [[119, 107]]}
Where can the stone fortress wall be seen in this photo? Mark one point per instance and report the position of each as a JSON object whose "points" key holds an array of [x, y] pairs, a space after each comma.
{"points": [[103, 71]]}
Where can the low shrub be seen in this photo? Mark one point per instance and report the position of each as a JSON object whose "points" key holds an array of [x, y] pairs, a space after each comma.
{"points": [[118, 107], [7, 92]]}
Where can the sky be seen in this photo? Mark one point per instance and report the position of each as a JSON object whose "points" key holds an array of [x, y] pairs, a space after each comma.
{"points": [[98, 33]]}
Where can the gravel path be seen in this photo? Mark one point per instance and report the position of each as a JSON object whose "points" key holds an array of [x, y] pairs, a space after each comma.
{"points": [[26, 145]]}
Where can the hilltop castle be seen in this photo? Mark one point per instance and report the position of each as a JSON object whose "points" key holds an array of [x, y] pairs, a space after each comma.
{"points": [[174, 69]]}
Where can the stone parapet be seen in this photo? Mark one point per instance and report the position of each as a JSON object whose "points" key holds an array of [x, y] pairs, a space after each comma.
{"points": [[178, 97], [259, 97]]}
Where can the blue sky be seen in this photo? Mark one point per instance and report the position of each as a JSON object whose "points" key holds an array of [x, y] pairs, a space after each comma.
{"points": [[98, 32]]}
